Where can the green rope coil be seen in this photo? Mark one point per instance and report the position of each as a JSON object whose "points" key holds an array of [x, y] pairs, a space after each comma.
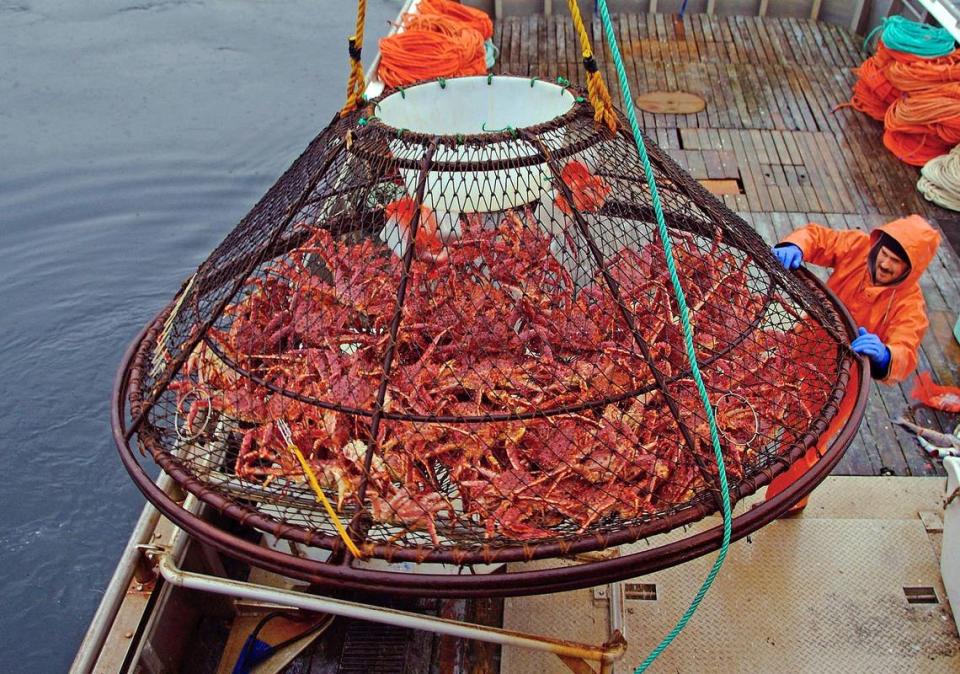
{"points": [[908, 36], [687, 339]]}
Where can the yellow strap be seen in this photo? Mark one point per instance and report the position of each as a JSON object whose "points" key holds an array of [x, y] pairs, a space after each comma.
{"points": [[596, 88], [357, 82], [321, 497]]}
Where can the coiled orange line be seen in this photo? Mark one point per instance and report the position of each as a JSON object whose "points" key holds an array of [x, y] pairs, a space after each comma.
{"points": [[460, 14], [415, 55], [917, 99]]}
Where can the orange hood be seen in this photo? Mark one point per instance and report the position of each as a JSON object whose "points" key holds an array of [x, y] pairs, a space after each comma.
{"points": [[917, 238]]}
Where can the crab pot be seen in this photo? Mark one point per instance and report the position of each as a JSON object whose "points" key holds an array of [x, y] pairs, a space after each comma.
{"points": [[450, 323]]}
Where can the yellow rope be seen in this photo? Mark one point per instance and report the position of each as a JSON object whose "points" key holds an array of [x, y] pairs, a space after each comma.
{"points": [[596, 89], [321, 497], [355, 85]]}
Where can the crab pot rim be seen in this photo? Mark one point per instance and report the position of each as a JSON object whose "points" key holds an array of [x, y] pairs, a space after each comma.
{"points": [[440, 103], [579, 107], [512, 583]]}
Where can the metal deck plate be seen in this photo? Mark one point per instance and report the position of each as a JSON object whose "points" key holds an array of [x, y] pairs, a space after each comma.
{"points": [[816, 593]]}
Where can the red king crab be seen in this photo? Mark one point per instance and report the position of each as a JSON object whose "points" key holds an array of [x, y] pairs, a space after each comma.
{"points": [[493, 326]]}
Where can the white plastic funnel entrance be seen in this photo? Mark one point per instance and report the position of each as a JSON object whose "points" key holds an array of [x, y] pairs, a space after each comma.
{"points": [[468, 106]]}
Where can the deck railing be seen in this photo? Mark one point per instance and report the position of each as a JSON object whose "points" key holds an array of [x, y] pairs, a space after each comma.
{"points": [[860, 16]]}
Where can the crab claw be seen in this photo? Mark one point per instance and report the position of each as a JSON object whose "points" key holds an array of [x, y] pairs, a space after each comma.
{"points": [[589, 191], [396, 233]]}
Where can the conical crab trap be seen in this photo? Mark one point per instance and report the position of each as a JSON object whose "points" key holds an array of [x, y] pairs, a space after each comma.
{"points": [[447, 336]]}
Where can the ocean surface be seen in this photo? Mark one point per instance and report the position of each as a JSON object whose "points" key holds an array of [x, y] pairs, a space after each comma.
{"points": [[134, 134]]}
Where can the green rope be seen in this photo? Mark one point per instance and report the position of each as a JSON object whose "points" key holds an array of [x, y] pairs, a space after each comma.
{"points": [[513, 131], [491, 53], [687, 339], [908, 36]]}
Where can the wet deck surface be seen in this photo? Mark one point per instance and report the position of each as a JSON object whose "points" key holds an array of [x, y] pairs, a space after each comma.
{"points": [[770, 125]]}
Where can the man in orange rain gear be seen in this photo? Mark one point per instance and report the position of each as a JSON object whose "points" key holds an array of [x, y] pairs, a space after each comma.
{"points": [[876, 276]]}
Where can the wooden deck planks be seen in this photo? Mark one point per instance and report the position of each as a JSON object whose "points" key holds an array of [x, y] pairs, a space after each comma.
{"points": [[772, 87]]}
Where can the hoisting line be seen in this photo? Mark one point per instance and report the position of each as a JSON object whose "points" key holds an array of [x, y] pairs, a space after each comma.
{"points": [[687, 339], [596, 88], [355, 84]]}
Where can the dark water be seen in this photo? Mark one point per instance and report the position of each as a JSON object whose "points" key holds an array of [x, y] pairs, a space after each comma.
{"points": [[133, 136]]}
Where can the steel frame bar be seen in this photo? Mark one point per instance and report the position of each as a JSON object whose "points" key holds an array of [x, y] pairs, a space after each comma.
{"points": [[165, 557]]}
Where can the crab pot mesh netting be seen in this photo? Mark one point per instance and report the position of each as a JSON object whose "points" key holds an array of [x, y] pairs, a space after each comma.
{"points": [[473, 342]]}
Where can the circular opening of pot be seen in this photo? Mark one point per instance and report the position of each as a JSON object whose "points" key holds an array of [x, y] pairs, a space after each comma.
{"points": [[474, 105]]}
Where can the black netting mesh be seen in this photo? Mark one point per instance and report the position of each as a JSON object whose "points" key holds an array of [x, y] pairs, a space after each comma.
{"points": [[474, 343]]}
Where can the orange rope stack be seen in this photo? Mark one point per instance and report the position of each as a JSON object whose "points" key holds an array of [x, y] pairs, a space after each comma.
{"points": [[873, 92], [461, 14], [444, 39], [916, 98], [922, 74], [936, 110]]}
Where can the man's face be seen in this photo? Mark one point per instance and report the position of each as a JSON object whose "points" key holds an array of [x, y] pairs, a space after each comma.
{"points": [[889, 267]]}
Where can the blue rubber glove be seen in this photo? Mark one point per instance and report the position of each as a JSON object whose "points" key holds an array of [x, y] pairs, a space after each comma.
{"points": [[790, 255], [869, 345]]}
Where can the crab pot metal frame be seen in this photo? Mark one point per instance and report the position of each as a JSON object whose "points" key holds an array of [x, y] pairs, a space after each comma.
{"points": [[268, 233]]}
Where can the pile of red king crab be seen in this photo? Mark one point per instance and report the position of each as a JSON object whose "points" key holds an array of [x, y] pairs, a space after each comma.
{"points": [[491, 325]]}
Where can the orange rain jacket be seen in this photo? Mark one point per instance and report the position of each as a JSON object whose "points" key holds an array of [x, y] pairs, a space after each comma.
{"points": [[896, 313]]}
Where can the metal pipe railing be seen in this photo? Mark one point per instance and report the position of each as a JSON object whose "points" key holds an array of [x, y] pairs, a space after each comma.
{"points": [[165, 557], [96, 636]]}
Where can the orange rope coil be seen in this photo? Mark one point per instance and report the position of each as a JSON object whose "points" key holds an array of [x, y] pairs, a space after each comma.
{"points": [[873, 93], [443, 39], [461, 14], [416, 55], [937, 111], [436, 23], [921, 75], [916, 98], [915, 149]]}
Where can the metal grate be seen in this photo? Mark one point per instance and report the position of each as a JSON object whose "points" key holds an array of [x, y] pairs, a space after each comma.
{"points": [[372, 648], [921, 595], [640, 591]]}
